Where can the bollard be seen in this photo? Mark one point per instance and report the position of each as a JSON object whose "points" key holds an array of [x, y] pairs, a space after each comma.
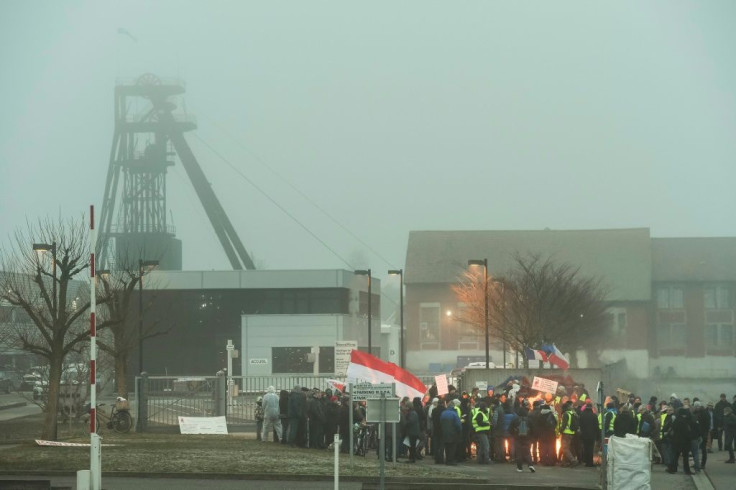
{"points": [[95, 477], [142, 402], [220, 395], [83, 480], [336, 443]]}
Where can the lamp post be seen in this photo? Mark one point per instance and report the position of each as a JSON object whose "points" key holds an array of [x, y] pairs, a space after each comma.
{"points": [[367, 272], [45, 247], [148, 264], [484, 263], [400, 273]]}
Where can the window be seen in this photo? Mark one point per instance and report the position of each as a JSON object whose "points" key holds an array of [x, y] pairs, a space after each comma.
{"points": [[290, 360], [671, 335], [717, 297], [618, 321], [669, 298], [429, 322], [720, 335]]}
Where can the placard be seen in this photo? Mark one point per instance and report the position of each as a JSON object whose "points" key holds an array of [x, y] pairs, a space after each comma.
{"points": [[544, 384], [202, 425], [441, 381], [343, 348]]}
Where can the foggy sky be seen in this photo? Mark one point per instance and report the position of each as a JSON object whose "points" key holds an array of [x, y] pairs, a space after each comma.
{"points": [[391, 116]]}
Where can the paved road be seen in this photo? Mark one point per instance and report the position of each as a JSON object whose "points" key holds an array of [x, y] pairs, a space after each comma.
{"points": [[722, 475], [187, 484], [9, 400]]}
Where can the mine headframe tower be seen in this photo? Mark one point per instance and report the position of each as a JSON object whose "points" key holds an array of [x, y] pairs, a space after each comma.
{"points": [[148, 134]]}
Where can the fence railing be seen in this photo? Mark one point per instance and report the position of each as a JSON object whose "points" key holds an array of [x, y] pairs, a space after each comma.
{"points": [[163, 399]]}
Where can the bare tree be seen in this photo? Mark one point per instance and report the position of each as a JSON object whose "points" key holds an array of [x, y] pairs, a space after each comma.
{"points": [[540, 301], [53, 294], [122, 336]]}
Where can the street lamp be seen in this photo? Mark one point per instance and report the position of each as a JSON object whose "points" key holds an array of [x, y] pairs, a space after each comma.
{"points": [[148, 265], [367, 272], [400, 273], [484, 263], [45, 247]]}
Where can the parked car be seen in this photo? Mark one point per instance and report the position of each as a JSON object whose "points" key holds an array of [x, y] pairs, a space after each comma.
{"points": [[10, 381], [29, 381]]}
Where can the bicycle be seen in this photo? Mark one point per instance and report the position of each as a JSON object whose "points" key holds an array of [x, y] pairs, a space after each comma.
{"points": [[118, 420]]}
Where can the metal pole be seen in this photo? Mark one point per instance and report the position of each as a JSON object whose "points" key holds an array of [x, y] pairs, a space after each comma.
{"points": [[140, 316], [394, 441], [401, 318], [95, 453], [382, 444], [485, 293], [336, 444], [350, 429], [230, 347], [370, 313]]}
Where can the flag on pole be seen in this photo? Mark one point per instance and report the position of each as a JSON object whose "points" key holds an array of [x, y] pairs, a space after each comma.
{"points": [[555, 356], [366, 367], [535, 355], [337, 385]]}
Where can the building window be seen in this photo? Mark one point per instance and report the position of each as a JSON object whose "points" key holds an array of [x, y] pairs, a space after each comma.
{"points": [[669, 298], [429, 322], [671, 335], [717, 297], [618, 321], [294, 360], [720, 336]]}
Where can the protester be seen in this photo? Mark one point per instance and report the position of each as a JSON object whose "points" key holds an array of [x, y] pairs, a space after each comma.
{"points": [[589, 433], [729, 431], [481, 422], [569, 426], [520, 431], [718, 419], [452, 432], [271, 415], [681, 440]]}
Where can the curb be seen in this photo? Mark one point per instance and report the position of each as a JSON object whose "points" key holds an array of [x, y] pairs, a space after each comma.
{"points": [[13, 405], [702, 481]]}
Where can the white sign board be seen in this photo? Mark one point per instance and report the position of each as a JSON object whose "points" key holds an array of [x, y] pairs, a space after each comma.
{"points": [[373, 410], [202, 425], [441, 381], [482, 387], [545, 385], [343, 348], [258, 361], [363, 392]]}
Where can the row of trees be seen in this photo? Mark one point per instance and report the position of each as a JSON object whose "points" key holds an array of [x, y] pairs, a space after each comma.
{"points": [[53, 292], [539, 301]]}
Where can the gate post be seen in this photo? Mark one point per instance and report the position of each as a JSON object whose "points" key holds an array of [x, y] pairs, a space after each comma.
{"points": [[142, 389], [220, 395]]}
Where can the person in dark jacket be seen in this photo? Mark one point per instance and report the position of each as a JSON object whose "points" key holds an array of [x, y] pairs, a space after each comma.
{"points": [[422, 416], [681, 437], [316, 421], [546, 426], [520, 430], [297, 411], [452, 432], [729, 431], [343, 422], [625, 423], [589, 433], [331, 420], [412, 431], [718, 419], [438, 449]]}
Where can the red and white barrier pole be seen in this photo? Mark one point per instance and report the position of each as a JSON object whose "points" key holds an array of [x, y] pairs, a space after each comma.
{"points": [[95, 453]]}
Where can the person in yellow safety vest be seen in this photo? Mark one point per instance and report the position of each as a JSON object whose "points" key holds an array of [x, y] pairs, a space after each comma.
{"points": [[569, 427], [481, 428], [609, 417]]}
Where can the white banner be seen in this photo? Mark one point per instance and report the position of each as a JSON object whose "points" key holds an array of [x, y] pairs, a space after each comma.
{"points": [[545, 385], [202, 425]]}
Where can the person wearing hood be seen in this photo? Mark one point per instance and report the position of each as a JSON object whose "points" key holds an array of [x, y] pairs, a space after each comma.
{"points": [[271, 415], [438, 448], [625, 423], [520, 430], [452, 432], [681, 440]]}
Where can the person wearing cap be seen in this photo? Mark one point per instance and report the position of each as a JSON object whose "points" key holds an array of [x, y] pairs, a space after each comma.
{"points": [[729, 432]]}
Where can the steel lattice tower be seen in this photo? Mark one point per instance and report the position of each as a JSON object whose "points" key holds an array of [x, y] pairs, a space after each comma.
{"points": [[147, 136]]}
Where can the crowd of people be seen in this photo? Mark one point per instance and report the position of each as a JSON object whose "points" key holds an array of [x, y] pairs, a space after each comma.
{"points": [[511, 425]]}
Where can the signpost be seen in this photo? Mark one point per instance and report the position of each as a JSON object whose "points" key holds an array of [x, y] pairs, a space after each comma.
{"points": [[343, 348], [383, 410], [362, 392]]}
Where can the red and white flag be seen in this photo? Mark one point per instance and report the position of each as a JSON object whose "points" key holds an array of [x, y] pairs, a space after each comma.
{"points": [[336, 385], [366, 367]]}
